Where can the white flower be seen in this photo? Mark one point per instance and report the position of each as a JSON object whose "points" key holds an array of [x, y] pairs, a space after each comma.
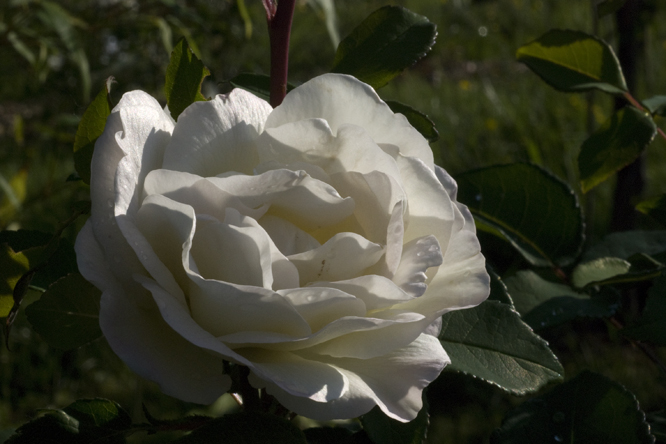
{"points": [[316, 244]]}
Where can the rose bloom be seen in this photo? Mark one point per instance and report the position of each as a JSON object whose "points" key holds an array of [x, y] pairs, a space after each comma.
{"points": [[315, 243]]}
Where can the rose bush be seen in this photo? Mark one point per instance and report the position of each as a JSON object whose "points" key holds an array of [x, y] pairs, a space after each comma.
{"points": [[316, 243]]}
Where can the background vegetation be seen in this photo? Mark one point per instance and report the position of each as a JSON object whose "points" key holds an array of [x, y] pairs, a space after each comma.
{"points": [[489, 109]]}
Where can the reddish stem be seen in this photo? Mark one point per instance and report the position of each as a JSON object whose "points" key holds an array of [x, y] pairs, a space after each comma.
{"points": [[637, 104], [279, 29]]}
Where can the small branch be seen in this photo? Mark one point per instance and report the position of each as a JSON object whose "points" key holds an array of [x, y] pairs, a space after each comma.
{"points": [[279, 29], [642, 347], [638, 105]]}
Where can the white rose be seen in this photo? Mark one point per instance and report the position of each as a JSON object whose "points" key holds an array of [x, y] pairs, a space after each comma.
{"points": [[316, 244]]}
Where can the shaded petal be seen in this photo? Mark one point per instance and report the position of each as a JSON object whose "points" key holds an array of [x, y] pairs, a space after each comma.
{"points": [[417, 256], [451, 187], [430, 209], [141, 338], [162, 227], [240, 251], [297, 376], [340, 99], [394, 382], [321, 306], [377, 292], [344, 256], [288, 238], [197, 192], [219, 135], [292, 195], [461, 281], [375, 195], [222, 308], [312, 141], [136, 131]]}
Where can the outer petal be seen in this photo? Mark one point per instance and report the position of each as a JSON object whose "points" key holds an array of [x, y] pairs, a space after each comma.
{"points": [[340, 99], [393, 381], [216, 136], [132, 144], [141, 338]]}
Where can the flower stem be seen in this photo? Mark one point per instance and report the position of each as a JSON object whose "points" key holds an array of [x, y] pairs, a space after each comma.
{"points": [[279, 29]]}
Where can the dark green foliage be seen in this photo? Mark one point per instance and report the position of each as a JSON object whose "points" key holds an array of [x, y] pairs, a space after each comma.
{"points": [[390, 40], [184, 76], [85, 421], [617, 143], [589, 408], [529, 207], [90, 128], [574, 61], [491, 342], [67, 314]]}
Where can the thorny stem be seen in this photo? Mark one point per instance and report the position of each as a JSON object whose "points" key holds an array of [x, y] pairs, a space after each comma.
{"points": [[279, 29], [638, 105]]}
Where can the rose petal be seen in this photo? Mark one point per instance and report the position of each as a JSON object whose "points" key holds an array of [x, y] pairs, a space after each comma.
{"points": [[288, 238], [240, 251], [321, 306], [341, 99], [219, 135], [312, 141], [137, 129], [222, 308], [461, 281], [162, 227], [394, 382], [295, 375], [430, 209], [376, 195], [141, 338], [344, 256], [199, 193], [377, 292], [292, 195], [417, 256]]}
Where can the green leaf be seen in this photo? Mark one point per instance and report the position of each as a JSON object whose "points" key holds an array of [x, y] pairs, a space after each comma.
{"points": [[650, 327], [628, 243], [656, 105], [655, 208], [67, 314], [90, 128], [491, 342], [82, 422], [498, 290], [246, 428], [529, 207], [642, 268], [598, 270], [184, 76], [617, 143], [609, 7], [257, 84], [388, 41], [382, 429], [13, 266], [588, 409], [417, 119], [573, 61], [544, 304]]}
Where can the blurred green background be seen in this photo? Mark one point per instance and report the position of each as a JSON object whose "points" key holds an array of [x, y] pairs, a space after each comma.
{"points": [[489, 109]]}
